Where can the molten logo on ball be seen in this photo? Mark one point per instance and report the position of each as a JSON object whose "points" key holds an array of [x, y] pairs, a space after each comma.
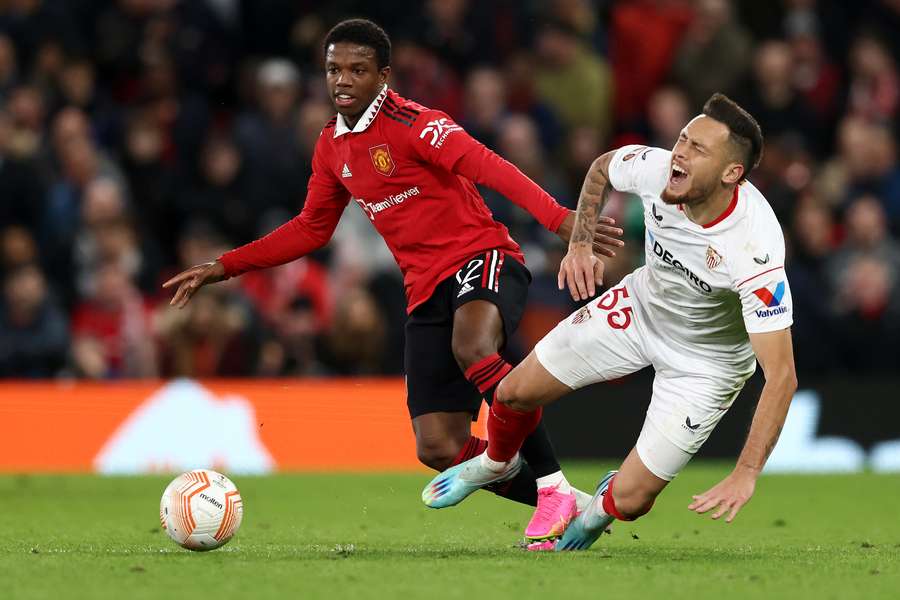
{"points": [[201, 510]]}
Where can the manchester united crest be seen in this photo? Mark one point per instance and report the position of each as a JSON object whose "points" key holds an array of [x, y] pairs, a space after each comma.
{"points": [[381, 159], [713, 258]]}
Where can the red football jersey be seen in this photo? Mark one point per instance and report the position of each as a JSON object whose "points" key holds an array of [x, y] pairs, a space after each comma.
{"points": [[413, 171]]}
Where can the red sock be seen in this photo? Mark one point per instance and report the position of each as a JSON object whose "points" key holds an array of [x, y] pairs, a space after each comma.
{"points": [[487, 373], [472, 448], [609, 505], [507, 429]]}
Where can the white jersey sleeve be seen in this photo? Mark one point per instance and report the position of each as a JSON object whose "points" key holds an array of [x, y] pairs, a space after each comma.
{"points": [[760, 281], [640, 169]]}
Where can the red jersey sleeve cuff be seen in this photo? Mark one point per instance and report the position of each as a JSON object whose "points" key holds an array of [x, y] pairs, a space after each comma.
{"points": [[558, 219], [228, 263]]}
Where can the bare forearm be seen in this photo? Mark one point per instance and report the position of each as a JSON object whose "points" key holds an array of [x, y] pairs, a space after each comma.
{"points": [[591, 201], [768, 421]]}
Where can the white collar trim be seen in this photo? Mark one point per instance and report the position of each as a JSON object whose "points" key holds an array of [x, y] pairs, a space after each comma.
{"points": [[340, 127]]}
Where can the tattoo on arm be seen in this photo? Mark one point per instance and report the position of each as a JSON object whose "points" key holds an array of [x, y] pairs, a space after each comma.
{"points": [[594, 193]]}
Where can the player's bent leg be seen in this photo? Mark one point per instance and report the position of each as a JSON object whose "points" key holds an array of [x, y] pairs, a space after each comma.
{"points": [[634, 489], [478, 334], [624, 495], [629, 493], [525, 390]]}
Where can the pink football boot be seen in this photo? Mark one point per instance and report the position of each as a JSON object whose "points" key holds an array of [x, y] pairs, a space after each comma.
{"points": [[552, 515]]}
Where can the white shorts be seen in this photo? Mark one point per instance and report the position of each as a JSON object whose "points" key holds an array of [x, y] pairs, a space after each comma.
{"points": [[610, 338]]}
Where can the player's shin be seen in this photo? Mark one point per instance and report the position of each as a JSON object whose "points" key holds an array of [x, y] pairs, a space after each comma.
{"points": [[507, 430]]}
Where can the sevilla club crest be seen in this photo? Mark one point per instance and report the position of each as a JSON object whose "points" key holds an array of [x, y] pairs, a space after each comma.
{"points": [[381, 159], [713, 258]]}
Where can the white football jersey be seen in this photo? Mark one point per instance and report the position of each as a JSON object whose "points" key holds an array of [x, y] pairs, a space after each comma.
{"points": [[705, 287]]}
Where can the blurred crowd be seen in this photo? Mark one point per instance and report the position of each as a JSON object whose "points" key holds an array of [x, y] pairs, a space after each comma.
{"points": [[139, 137]]}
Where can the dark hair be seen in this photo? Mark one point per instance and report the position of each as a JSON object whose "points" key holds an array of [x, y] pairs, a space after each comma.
{"points": [[364, 33], [744, 132]]}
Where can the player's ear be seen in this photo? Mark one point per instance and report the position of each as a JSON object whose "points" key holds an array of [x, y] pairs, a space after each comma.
{"points": [[733, 173], [383, 74]]}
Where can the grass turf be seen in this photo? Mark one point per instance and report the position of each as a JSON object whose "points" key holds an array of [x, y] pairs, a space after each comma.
{"points": [[368, 536]]}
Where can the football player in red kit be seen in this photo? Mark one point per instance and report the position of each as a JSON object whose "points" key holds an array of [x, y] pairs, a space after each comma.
{"points": [[413, 171]]}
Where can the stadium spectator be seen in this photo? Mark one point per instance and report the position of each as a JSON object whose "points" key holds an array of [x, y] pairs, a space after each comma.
{"points": [[17, 248], [639, 67], [268, 140], [874, 83], [152, 182], [773, 98], [813, 231], [34, 339], [112, 336], [9, 70], [355, 341], [574, 81], [713, 55], [107, 234], [27, 110], [667, 112], [223, 191], [421, 74], [817, 78], [867, 237], [212, 338], [867, 163], [485, 104], [21, 192]]}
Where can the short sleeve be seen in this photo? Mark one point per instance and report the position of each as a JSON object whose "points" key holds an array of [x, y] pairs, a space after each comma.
{"points": [[639, 169], [761, 283]]}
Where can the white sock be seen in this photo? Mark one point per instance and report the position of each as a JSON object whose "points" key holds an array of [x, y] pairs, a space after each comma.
{"points": [[557, 480], [492, 465]]}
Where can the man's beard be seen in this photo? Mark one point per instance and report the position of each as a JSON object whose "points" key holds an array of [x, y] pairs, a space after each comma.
{"points": [[692, 196]]}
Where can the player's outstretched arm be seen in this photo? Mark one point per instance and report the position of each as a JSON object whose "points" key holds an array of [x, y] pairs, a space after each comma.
{"points": [[440, 141], [776, 356], [580, 269]]}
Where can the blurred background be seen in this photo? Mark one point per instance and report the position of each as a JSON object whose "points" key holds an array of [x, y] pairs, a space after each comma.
{"points": [[140, 137]]}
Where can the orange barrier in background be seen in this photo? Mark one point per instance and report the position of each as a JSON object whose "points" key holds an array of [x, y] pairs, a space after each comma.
{"points": [[251, 426]]}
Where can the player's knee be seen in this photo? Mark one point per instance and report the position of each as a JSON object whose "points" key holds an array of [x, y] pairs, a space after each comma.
{"points": [[437, 454], [511, 393]]}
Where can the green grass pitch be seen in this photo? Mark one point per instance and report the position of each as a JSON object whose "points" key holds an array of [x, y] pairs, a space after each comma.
{"points": [[368, 536]]}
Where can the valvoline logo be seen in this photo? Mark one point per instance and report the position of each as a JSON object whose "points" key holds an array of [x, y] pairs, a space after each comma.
{"points": [[772, 300], [769, 298]]}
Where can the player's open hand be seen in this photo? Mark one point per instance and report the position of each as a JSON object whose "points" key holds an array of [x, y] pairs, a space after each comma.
{"points": [[727, 496], [582, 271], [606, 234], [193, 279]]}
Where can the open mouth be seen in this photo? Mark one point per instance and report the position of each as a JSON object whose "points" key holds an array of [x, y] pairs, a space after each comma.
{"points": [[678, 176], [344, 99]]}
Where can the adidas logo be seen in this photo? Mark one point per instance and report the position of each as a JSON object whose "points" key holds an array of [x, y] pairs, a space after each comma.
{"points": [[346, 172], [465, 289]]}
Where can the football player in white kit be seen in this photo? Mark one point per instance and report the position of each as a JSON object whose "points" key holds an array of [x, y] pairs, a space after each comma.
{"points": [[711, 301]]}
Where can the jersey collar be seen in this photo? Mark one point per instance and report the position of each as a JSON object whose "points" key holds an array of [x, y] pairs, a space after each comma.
{"points": [[730, 209], [340, 126]]}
